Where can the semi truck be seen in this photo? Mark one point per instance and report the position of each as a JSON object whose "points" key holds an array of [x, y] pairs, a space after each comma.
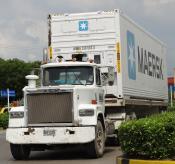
{"points": [[101, 70]]}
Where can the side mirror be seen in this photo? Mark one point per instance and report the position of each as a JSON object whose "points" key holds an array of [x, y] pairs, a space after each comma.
{"points": [[107, 74], [111, 77]]}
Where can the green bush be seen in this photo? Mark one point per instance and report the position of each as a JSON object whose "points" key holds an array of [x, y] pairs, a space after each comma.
{"points": [[4, 118], [152, 137], [171, 108]]}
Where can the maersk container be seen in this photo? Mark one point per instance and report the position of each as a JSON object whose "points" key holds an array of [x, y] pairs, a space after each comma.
{"points": [[113, 39]]}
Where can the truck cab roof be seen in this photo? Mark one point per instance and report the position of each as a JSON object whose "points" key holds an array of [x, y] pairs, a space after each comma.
{"points": [[69, 64]]}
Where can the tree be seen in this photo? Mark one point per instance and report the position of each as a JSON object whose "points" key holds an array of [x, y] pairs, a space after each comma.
{"points": [[12, 74]]}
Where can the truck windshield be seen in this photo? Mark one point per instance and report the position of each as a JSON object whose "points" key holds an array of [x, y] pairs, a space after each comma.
{"points": [[68, 76]]}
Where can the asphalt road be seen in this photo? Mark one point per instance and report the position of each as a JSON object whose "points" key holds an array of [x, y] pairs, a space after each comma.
{"points": [[68, 156]]}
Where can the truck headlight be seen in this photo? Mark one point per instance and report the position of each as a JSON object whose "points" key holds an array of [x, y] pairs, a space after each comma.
{"points": [[86, 112], [16, 114]]}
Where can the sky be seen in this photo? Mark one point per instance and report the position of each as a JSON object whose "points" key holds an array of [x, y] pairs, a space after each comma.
{"points": [[23, 23]]}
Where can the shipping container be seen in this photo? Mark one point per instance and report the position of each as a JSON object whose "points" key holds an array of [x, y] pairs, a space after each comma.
{"points": [[113, 39]]}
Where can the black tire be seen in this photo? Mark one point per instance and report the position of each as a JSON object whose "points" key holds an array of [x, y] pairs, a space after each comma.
{"points": [[20, 152], [96, 148], [112, 141]]}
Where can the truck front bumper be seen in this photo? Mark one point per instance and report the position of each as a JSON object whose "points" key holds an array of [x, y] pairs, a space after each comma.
{"points": [[50, 135]]}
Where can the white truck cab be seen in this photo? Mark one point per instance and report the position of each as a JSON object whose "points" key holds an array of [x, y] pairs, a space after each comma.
{"points": [[68, 108]]}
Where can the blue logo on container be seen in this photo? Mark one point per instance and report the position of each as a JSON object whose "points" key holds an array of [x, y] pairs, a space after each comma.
{"points": [[83, 25], [131, 55]]}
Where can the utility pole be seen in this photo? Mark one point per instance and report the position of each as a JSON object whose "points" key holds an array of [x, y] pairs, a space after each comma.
{"points": [[8, 99]]}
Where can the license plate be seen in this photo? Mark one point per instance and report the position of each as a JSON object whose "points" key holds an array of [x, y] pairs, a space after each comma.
{"points": [[49, 132]]}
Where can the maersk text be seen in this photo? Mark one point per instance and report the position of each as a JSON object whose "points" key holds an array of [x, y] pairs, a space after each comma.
{"points": [[149, 64]]}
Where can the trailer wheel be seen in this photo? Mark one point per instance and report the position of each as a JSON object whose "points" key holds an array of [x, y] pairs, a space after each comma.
{"points": [[113, 141], [96, 148], [20, 152], [131, 116]]}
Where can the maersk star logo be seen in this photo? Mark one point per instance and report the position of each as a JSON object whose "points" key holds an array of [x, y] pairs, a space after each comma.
{"points": [[83, 25], [131, 55]]}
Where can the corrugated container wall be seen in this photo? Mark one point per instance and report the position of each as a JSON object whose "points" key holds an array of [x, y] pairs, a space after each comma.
{"points": [[112, 39]]}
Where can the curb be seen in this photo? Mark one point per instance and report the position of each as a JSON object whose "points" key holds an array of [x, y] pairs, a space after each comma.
{"points": [[136, 161]]}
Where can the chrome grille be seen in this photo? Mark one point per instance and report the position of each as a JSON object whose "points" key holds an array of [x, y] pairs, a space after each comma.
{"points": [[49, 108]]}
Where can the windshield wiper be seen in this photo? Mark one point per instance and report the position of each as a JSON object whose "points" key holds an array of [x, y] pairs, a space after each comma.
{"points": [[77, 79]]}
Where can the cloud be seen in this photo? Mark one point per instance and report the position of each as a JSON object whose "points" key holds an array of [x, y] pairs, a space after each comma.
{"points": [[150, 3], [37, 31], [158, 8], [19, 38], [23, 24]]}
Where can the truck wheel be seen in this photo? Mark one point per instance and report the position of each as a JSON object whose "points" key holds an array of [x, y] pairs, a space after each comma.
{"points": [[20, 152], [112, 141], [96, 148]]}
